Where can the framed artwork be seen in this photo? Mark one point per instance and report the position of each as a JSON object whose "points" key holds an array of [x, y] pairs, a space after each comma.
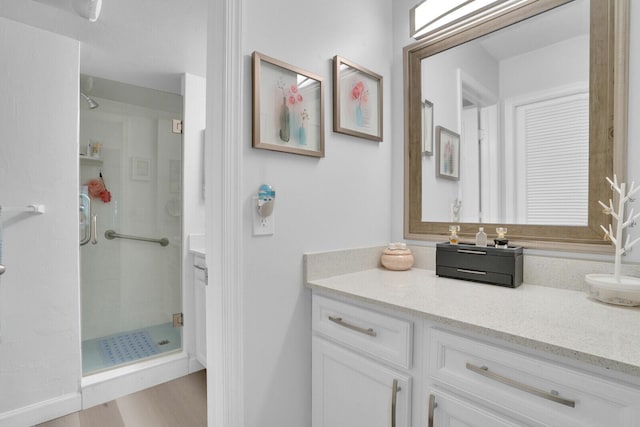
{"points": [[448, 156], [427, 128], [357, 100], [140, 169], [288, 108]]}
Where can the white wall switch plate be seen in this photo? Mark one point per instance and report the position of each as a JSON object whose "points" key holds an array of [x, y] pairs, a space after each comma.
{"points": [[263, 226]]}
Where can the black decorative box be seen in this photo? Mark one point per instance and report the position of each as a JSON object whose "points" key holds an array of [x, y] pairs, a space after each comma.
{"points": [[496, 266]]}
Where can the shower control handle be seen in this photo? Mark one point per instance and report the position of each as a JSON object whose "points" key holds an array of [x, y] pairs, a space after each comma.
{"points": [[94, 229]]}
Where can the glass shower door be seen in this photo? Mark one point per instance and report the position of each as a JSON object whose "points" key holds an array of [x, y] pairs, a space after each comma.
{"points": [[131, 171]]}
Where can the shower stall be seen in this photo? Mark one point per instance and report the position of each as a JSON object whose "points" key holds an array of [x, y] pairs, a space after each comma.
{"points": [[130, 204]]}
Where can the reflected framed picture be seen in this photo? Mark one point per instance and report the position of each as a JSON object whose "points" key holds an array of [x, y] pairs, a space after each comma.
{"points": [[288, 108], [448, 155], [357, 100], [427, 128]]}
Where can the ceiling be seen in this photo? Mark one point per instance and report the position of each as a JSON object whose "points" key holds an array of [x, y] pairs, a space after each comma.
{"points": [[562, 23], [148, 43]]}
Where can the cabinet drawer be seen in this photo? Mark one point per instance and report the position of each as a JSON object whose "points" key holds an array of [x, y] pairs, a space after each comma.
{"points": [[476, 275], [537, 391], [376, 334]]}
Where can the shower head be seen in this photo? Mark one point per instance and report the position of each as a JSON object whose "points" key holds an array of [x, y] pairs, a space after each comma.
{"points": [[88, 9], [92, 104]]}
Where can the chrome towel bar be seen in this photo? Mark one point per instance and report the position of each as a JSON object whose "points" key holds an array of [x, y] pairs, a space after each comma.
{"points": [[111, 234]]}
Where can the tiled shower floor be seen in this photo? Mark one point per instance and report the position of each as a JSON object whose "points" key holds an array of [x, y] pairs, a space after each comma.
{"points": [[165, 336]]}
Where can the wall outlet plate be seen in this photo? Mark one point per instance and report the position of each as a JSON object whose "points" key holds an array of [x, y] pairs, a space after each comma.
{"points": [[263, 226]]}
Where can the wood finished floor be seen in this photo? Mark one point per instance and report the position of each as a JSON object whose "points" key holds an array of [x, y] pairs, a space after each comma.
{"points": [[178, 403]]}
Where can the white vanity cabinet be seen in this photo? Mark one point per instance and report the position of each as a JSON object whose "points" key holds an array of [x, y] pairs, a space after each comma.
{"points": [[200, 297], [370, 370], [361, 360], [514, 388]]}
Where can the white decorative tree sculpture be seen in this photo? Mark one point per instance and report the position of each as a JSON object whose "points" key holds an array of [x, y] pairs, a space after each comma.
{"points": [[621, 224], [615, 288]]}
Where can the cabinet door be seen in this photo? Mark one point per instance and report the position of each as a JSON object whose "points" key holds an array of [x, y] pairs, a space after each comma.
{"points": [[200, 321], [447, 410], [350, 390]]}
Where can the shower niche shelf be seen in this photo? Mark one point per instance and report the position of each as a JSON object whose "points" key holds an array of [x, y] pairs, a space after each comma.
{"points": [[88, 160]]}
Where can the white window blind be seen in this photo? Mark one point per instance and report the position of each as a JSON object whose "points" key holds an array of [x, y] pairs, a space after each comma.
{"points": [[555, 135]]}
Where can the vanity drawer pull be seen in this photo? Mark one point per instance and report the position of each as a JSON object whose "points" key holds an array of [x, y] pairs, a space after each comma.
{"points": [[432, 406], [341, 322], [395, 388], [464, 270], [552, 395], [471, 251]]}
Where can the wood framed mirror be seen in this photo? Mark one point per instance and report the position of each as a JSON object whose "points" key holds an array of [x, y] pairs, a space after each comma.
{"points": [[607, 84]]}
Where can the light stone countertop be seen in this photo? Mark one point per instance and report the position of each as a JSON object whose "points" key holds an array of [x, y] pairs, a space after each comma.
{"points": [[558, 321]]}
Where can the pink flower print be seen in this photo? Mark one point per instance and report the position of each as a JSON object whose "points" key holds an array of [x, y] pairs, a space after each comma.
{"points": [[357, 90], [292, 99], [294, 89], [299, 98]]}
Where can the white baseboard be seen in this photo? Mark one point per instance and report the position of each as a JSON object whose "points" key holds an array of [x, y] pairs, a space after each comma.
{"points": [[42, 411]]}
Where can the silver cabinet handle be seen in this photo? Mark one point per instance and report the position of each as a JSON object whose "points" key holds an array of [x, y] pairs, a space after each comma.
{"points": [[471, 251], [94, 229], [395, 388], [549, 395], [432, 406], [464, 270], [2, 269], [199, 267], [341, 322]]}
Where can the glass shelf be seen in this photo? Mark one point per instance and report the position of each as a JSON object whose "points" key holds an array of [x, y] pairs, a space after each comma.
{"points": [[90, 160]]}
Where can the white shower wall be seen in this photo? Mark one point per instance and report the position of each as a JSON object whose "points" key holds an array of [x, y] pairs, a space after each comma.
{"points": [[126, 284]]}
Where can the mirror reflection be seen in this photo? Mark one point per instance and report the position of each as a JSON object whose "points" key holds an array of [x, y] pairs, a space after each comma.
{"points": [[506, 124]]}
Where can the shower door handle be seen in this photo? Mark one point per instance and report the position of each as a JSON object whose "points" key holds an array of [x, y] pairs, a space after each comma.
{"points": [[94, 229], [85, 219]]}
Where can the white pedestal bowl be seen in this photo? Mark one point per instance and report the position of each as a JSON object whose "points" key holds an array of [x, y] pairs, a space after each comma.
{"points": [[605, 288]]}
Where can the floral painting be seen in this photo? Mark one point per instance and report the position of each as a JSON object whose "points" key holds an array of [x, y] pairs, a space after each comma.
{"points": [[292, 116], [357, 100], [287, 108], [448, 157]]}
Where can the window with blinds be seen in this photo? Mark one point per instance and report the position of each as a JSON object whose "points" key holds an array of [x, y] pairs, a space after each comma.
{"points": [[553, 136]]}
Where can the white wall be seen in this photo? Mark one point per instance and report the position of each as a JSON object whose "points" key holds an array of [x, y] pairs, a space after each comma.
{"points": [[193, 218], [39, 293], [557, 65], [338, 201]]}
